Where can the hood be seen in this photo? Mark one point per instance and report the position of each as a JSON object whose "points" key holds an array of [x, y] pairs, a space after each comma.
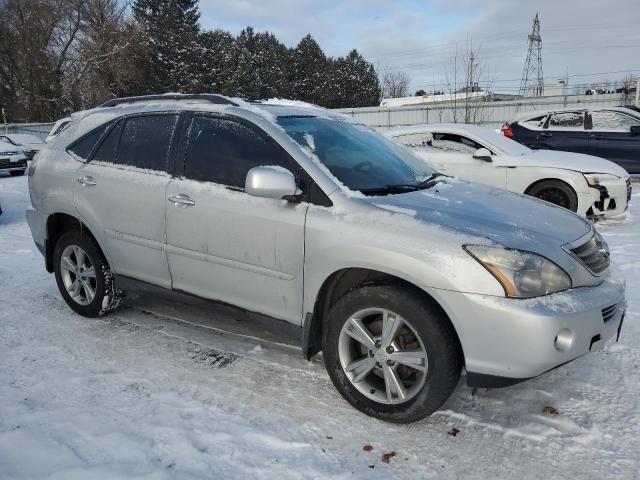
{"points": [[511, 219], [578, 162]]}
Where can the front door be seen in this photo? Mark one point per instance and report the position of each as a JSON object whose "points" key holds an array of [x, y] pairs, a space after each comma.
{"points": [[453, 154], [610, 137], [222, 243], [122, 191]]}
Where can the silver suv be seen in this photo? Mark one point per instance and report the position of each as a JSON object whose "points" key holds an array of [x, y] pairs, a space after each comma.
{"points": [[400, 275]]}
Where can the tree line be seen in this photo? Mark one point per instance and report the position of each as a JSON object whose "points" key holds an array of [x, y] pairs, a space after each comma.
{"points": [[60, 56]]}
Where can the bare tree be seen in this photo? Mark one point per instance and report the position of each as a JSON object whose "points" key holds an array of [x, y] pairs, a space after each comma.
{"points": [[395, 84], [465, 76]]}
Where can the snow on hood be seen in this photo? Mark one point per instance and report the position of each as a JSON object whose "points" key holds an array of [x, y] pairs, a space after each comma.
{"points": [[511, 219], [567, 160]]}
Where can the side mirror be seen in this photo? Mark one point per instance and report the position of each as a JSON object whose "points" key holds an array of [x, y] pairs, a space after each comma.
{"points": [[482, 154], [272, 182], [634, 130]]}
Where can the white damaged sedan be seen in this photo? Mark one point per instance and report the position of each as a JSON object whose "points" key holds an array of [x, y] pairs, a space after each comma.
{"points": [[588, 185]]}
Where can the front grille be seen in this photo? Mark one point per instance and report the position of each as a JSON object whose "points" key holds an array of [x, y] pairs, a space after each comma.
{"points": [[609, 312], [593, 255]]}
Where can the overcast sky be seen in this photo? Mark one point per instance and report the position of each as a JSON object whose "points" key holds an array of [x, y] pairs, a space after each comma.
{"points": [[581, 37]]}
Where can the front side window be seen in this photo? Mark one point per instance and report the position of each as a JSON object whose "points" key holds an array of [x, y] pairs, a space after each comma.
{"points": [[221, 150], [83, 147], [145, 141], [357, 156], [567, 121], [450, 142], [607, 120]]}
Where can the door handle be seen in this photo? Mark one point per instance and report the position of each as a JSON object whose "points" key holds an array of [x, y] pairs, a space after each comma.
{"points": [[87, 181], [181, 200], [546, 134]]}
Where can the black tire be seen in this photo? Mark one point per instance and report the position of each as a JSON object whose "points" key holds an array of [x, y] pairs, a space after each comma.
{"points": [[107, 297], [556, 192], [17, 173], [444, 353]]}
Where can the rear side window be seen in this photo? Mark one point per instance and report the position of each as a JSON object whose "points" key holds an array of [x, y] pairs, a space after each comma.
{"points": [[223, 151], [454, 143], [145, 141], [536, 122], [567, 120], [415, 139], [106, 152], [83, 147]]}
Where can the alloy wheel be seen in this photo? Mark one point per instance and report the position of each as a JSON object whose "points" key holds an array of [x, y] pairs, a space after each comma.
{"points": [[383, 356], [78, 275]]}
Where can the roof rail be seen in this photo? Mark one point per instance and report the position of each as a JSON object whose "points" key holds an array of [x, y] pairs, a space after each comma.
{"points": [[209, 97]]}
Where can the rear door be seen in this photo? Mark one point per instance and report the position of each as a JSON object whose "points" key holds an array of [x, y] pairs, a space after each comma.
{"points": [[610, 138], [565, 131], [122, 191], [222, 243]]}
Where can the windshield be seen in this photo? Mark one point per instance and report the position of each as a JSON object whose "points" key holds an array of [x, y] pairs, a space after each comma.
{"points": [[357, 156]]}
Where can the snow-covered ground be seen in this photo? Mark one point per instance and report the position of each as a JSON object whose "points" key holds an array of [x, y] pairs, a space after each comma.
{"points": [[157, 391]]}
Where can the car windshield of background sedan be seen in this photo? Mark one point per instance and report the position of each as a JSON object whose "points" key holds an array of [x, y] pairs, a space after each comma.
{"points": [[357, 156]]}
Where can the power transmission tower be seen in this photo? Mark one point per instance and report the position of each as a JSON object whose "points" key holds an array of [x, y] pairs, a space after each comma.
{"points": [[533, 65]]}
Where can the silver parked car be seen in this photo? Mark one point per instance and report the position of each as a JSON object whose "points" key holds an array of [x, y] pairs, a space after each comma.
{"points": [[399, 274]]}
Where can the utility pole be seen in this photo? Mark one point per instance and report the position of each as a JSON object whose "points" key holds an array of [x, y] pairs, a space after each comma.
{"points": [[469, 89], [533, 66]]}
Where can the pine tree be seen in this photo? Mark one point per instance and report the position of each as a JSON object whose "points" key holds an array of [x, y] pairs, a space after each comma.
{"points": [[262, 65], [354, 82], [168, 44], [310, 72], [218, 64]]}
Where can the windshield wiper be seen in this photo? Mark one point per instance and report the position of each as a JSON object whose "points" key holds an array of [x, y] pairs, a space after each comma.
{"points": [[428, 182], [390, 189]]}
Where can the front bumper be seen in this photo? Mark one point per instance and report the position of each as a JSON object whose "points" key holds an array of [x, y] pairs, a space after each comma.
{"points": [[507, 340], [609, 199], [13, 163]]}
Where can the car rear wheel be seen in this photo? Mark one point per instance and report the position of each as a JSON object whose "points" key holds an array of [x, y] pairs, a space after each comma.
{"points": [[556, 192], [16, 173], [83, 275], [391, 353]]}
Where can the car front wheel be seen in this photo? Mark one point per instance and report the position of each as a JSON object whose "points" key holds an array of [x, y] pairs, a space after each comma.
{"points": [[83, 275], [556, 192], [391, 353]]}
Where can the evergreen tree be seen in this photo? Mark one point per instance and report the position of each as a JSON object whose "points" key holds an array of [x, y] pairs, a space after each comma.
{"points": [[354, 82], [218, 62], [262, 65], [168, 45], [310, 72]]}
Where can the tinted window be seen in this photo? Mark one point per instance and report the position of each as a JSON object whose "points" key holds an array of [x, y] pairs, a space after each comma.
{"points": [[84, 146], [612, 121], [223, 151], [106, 152], [567, 120], [145, 141]]}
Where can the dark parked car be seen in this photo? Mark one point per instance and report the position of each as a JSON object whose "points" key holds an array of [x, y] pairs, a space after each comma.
{"points": [[612, 133]]}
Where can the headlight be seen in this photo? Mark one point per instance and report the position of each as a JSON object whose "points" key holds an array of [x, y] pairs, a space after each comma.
{"points": [[521, 274], [595, 179]]}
